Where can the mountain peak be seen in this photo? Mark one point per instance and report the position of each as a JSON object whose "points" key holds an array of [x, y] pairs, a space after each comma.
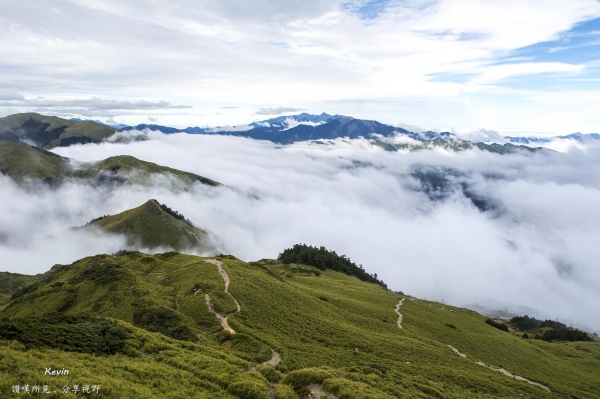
{"points": [[155, 225]]}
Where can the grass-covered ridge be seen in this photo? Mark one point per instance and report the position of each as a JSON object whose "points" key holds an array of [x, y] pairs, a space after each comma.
{"points": [[24, 163], [329, 328]]}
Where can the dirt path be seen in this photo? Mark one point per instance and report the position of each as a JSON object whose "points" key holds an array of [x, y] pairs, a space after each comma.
{"points": [[223, 274], [457, 352], [275, 360], [222, 320], [516, 377], [397, 310]]}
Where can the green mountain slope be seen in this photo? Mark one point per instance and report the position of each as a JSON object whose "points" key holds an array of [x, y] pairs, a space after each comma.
{"points": [[22, 162], [50, 131], [153, 225], [330, 332]]}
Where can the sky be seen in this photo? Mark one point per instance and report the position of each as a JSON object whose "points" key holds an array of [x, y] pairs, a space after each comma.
{"points": [[517, 67]]}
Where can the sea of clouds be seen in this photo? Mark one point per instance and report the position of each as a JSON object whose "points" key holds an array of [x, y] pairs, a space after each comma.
{"points": [[533, 250]]}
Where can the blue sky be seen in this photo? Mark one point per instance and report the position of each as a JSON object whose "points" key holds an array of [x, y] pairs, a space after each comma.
{"points": [[516, 66]]}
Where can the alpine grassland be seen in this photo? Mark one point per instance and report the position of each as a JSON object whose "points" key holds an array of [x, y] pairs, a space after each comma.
{"points": [[147, 327]]}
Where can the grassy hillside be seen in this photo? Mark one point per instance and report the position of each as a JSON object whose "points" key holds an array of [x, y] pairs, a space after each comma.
{"points": [[51, 131], [22, 162], [153, 225], [333, 333]]}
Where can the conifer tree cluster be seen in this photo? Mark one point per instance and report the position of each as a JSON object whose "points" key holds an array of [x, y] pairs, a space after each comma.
{"points": [[324, 259]]}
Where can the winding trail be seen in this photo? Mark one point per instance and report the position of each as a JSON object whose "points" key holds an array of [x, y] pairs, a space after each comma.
{"points": [[275, 360], [397, 310], [223, 274], [222, 319], [457, 352], [516, 377], [501, 371], [276, 357]]}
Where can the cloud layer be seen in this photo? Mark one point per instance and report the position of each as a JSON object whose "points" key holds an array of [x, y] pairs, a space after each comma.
{"points": [[411, 218]]}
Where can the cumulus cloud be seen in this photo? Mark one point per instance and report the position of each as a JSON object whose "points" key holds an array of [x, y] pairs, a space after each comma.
{"points": [[276, 110], [94, 106], [205, 54], [416, 219], [483, 136]]}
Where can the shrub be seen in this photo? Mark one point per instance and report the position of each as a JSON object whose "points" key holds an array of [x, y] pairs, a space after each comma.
{"points": [[163, 320], [246, 387], [565, 335], [494, 324], [300, 378], [269, 373], [525, 323], [284, 392], [553, 324]]}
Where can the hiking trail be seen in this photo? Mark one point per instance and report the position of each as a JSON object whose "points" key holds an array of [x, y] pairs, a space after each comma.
{"points": [[222, 319], [397, 310], [275, 360]]}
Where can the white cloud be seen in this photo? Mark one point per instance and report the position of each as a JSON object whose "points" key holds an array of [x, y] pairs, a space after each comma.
{"points": [[483, 135], [206, 54], [276, 110], [359, 200]]}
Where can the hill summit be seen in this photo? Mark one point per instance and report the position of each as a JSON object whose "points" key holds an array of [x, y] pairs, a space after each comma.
{"points": [[154, 225]]}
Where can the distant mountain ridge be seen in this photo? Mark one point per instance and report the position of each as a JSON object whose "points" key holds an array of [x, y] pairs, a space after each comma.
{"points": [[49, 132]]}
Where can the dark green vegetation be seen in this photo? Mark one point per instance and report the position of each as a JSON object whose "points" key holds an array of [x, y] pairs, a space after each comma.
{"points": [[68, 333], [51, 131], [499, 326], [22, 162], [323, 259], [349, 342], [153, 225], [565, 335], [10, 283]]}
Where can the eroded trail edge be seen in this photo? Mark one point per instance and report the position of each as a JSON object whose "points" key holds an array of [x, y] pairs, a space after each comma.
{"points": [[397, 310]]}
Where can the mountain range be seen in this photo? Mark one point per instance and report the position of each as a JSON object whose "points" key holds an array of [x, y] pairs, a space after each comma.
{"points": [[49, 132]]}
